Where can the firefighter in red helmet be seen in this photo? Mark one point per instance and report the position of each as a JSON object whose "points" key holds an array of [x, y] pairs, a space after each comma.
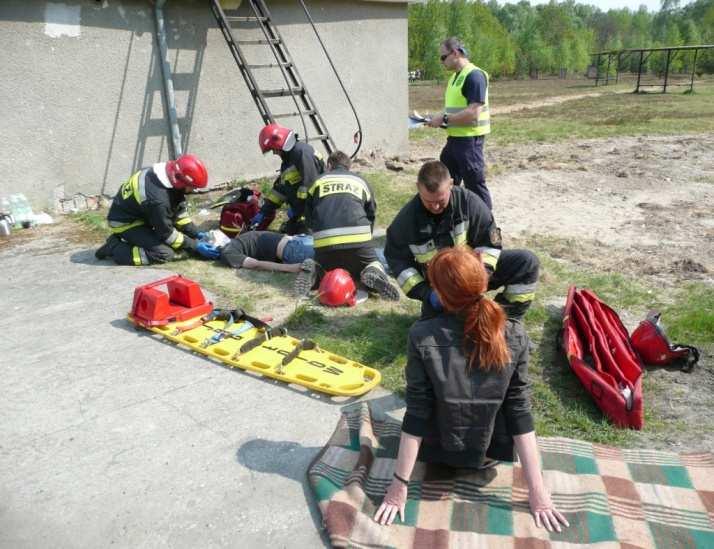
{"points": [[300, 167], [148, 217]]}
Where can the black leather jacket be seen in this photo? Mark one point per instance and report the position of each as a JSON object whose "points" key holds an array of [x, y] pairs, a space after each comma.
{"points": [[464, 415]]}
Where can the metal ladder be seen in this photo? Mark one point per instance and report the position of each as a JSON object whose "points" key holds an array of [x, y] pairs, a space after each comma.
{"points": [[295, 87]]}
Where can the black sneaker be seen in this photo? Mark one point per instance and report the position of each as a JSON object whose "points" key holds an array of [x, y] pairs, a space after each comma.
{"points": [[105, 250], [306, 278], [377, 280]]}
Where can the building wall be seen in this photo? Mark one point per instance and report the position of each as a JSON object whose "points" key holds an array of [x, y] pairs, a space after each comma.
{"points": [[81, 99]]}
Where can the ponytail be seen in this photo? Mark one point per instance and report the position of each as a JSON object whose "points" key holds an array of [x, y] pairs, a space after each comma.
{"points": [[460, 279], [484, 327]]}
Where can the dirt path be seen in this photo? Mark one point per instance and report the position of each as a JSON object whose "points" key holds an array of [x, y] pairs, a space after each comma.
{"points": [[547, 102]]}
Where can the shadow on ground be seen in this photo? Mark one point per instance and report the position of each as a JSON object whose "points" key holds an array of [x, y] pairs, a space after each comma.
{"points": [[288, 459]]}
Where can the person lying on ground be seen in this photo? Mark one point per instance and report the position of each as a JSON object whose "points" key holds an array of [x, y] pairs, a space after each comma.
{"points": [[340, 209], [467, 389], [267, 251]]}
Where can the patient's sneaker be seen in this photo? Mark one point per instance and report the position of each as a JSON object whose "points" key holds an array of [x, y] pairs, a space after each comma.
{"points": [[377, 280], [105, 250], [306, 278]]}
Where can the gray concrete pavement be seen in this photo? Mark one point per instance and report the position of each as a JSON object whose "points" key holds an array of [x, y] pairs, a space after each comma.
{"points": [[109, 437]]}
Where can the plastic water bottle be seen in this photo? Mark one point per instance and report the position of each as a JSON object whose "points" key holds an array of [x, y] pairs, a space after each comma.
{"points": [[20, 210]]}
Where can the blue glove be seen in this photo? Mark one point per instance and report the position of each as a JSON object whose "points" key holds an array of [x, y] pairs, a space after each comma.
{"points": [[202, 236], [435, 302], [291, 212], [208, 251], [257, 219]]}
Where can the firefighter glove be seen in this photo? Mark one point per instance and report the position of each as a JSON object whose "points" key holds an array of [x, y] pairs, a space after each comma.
{"points": [[435, 302], [206, 250]]}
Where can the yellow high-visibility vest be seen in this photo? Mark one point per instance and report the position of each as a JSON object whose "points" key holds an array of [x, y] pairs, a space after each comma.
{"points": [[454, 102]]}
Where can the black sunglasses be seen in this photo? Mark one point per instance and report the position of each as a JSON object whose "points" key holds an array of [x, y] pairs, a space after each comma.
{"points": [[443, 57]]}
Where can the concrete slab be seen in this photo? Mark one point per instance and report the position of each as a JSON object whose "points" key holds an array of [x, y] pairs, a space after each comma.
{"points": [[109, 437]]}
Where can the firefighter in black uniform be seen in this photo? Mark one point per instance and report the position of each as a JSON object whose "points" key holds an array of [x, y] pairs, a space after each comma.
{"points": [[148, 216], [300, 167], [340, 210], [442, 215]]}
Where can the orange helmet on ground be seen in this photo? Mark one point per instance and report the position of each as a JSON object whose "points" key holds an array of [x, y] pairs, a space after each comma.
{"points": [[337, 289], [275, 137], [187, 172]]}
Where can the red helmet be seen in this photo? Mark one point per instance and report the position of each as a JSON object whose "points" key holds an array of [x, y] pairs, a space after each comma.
{"points": [[651, 343], [275, 137], [337, 288], [187, 171]]}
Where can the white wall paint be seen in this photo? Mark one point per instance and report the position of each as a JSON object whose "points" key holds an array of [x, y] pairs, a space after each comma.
{"points": [[62, 20]]}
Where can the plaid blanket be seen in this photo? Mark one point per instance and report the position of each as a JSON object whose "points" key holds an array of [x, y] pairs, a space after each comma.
{"points": [[612, 497]]}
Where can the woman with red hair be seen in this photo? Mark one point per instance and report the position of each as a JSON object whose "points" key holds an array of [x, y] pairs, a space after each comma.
{"points": [[467, 400]]}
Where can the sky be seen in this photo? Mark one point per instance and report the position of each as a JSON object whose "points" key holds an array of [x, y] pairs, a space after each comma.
{"points": [[604, 5]]}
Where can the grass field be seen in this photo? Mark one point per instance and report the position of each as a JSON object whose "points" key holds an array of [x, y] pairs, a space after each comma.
{"points": [[375, 333], [607, 115]]}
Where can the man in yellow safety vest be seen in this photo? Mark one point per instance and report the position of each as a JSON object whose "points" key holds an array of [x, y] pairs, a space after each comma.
{"points": [[466, 119]]}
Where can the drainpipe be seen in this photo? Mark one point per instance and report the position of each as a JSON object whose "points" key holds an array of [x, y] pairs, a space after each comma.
{"points": [[168, 82]]}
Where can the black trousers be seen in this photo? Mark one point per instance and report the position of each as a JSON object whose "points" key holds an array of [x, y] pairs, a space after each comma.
{"points": [[353, 260], [463, 156], [141, 246]]}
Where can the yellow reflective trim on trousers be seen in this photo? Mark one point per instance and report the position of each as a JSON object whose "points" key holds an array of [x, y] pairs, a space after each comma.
{"points": [[410, 282], [302, 193], [121, 228], [519, 298], [341, 239], [136, 255], [180, 222]]}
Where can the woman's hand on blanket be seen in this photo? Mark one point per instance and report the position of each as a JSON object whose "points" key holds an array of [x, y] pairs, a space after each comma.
{"points": [[544, 512], [394, 502]]}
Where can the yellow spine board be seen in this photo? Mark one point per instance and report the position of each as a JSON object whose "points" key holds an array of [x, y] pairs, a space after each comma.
{"points": [[316, 369]]}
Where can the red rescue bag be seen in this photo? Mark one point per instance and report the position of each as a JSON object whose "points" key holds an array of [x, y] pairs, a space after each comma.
{"points": [[236, 214], [600, 354]]}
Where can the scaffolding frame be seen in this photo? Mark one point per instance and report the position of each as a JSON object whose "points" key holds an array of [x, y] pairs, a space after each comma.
{"points": [[644, 54]]}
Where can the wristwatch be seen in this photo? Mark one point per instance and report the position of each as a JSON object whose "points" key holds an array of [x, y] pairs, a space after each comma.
{"points": [[445, 118]]}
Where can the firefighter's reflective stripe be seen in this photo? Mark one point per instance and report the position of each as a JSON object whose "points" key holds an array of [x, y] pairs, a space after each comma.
{"points": [[342, 235], [118, 227], [489, 256], [302, 192], [409, 278], [343, 183], [454, 102], [459, 233], [175, 239], [183, 219], [275, 197], [520, 293], [135, 186], [138, 256], [480, 121], [423, 252], [291, 176]]}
